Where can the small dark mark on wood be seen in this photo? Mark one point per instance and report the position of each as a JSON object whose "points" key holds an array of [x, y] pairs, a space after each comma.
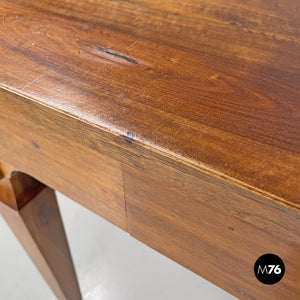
{"points": [[112, 52], [115, 53], [129, 137], [248, 24], [46, 215], [35, 145], [230, 228]]}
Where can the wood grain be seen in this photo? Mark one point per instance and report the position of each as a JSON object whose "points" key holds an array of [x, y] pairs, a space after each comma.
{"points": [[39, 228], [213, 228], [175, 120], [92, 179], [207, 223], [214, 83]]}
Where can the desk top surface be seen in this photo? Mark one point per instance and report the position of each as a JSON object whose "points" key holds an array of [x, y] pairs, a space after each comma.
{"points": [[212, 82]]}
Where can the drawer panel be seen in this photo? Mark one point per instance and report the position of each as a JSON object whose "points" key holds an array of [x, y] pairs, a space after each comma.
{"points": [[87, 176], [213, 227]]}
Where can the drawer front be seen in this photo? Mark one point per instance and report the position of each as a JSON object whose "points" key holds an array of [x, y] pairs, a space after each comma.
{"points": [[214, 228], [48, 152]]}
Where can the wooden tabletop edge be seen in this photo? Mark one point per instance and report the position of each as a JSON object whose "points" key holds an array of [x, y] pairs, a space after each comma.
{"points": [[198, 165]]}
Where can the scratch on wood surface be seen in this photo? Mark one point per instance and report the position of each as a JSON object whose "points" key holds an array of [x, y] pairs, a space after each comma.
{"points": [[131, 45], [111, 52], [35, 80]]}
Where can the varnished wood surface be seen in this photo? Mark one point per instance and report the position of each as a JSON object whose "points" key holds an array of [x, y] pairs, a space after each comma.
{"points": [[192, 216], [213, 228], [39, 228], [17, 189], [62, 161], [176, 121], [212, 83]]}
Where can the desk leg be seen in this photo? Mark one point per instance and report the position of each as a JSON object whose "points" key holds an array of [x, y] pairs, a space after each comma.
{"points": [[31, 211]]}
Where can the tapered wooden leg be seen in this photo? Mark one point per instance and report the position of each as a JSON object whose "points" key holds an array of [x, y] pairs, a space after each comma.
{"points": [[31, 211]]}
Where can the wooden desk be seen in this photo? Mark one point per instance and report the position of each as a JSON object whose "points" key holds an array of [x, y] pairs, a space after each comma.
{"points": [[178, 121]]}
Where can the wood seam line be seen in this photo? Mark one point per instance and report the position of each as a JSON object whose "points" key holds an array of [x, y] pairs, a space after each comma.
{"points": [[164, 152]]}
